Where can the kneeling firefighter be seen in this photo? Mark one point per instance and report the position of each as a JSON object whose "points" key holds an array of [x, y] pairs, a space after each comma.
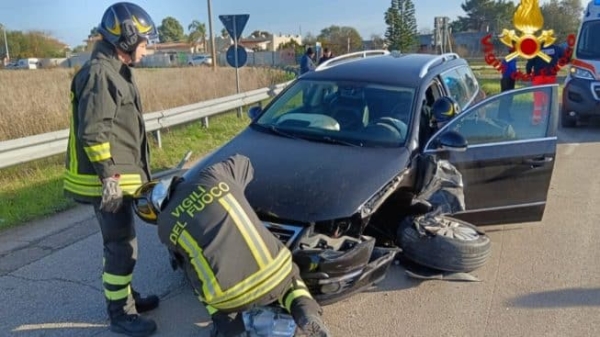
{"points": [[231, 259]]}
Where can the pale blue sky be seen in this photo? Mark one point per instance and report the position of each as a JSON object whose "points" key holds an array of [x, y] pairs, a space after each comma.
{"points": [[70, 21]]}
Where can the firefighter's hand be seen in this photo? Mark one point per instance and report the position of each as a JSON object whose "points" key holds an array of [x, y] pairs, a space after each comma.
{"points": [[112, 195]]}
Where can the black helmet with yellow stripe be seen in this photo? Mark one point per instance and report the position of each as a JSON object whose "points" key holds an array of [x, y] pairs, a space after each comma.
{"points": [[444, 109], [125, 25]]}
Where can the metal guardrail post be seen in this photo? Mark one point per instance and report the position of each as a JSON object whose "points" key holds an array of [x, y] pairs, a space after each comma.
{"points": [[158, 138], [205, 122]]}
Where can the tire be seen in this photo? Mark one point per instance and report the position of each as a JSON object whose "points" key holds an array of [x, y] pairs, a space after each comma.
{"points": [[466, 253], [566, 121]]}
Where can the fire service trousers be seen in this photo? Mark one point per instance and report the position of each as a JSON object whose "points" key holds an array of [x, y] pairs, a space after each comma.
{"points": [[120, 255]]}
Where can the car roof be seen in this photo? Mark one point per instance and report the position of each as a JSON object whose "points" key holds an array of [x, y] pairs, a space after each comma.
{"points": [[391, 69]]}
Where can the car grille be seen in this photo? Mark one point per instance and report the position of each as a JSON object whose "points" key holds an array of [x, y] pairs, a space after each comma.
{"points": [[285, 233]]}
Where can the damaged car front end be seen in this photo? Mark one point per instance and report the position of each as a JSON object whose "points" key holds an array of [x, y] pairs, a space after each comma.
{"points": [[334, 268]]}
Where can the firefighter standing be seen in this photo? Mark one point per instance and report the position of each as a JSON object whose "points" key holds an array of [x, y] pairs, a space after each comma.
{"points": [[107, 155], [231, 259], [543, 72]]}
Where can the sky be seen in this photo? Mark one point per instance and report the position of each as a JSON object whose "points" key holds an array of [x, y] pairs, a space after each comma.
{"points": [[71, 21]]}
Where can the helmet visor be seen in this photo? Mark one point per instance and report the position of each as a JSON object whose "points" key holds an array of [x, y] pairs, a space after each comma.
{"points": [[160, 193]]}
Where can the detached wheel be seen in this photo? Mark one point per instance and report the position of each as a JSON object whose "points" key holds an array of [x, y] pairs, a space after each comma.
{"points": [[444, 243]]}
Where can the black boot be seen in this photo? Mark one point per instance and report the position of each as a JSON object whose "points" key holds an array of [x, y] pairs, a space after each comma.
{"points": [[145, 304], [307, 315], [133, 325]]}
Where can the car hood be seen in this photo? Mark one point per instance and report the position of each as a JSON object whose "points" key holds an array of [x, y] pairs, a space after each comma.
{"points": [[303, 180]]}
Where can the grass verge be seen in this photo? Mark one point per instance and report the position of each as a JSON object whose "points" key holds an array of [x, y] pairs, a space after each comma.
{"points": [[34, 189]]}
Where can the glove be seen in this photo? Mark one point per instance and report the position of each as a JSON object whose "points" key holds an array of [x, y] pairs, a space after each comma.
{"points": [[112, 195], [228, 324]]}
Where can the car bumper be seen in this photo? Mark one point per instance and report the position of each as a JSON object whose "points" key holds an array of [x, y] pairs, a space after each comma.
{"points": [[581, 98], [334, 269]]}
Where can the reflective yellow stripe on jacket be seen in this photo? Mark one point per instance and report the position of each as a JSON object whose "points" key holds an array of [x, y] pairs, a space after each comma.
{"points": [[98, 152], [91, 185], [271, 272]]}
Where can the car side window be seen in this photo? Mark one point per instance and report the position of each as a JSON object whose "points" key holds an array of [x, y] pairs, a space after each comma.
{"points": [[519, 115], [457, 88], [471, 84]]}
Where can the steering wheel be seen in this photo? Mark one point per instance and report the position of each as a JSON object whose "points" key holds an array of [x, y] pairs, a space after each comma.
{"points": [[348, 119], [397, 124]]}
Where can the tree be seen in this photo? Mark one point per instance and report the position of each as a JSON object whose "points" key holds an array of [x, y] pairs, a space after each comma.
{"points": [[309, 39], [394, 24], [260, 34], [292, 44], [170, 30], [79, 49], [377, 42], [224, 33], [485, 15], [340, 39], [401, 33], [563, 17], [31, 44], [197, 33], [93, 33]]}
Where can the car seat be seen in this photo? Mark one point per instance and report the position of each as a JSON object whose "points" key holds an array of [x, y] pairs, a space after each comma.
{"points": [[350, 109]]}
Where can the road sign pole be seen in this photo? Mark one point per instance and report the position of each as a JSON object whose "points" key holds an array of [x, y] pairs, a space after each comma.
{"points": [[237, 68]]}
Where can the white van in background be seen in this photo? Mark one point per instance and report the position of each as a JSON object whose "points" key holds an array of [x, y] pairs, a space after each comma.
{"points": [[581, 92], [28, 63]]}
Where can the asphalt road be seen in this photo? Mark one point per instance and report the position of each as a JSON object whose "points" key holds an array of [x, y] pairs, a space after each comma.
{"points": [[543, 278]]}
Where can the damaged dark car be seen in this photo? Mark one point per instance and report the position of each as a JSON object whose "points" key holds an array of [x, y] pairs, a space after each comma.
{"points": [[344, 155]]}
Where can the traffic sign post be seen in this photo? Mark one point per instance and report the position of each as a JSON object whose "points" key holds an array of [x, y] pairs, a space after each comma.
{"points": [[236, 57]]}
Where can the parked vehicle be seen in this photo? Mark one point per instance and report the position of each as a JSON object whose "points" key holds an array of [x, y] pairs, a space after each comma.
{"points": [[581, 92], [342, 155], [28, 63], [200, 60]]}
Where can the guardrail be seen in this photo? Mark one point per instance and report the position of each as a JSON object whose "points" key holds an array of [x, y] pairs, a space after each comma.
{"points": [[22, 150]]}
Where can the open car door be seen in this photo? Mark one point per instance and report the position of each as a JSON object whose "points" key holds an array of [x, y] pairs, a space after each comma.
{"points": [[508, 163]]}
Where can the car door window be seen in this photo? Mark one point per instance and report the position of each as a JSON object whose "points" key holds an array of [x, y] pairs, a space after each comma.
{"points": [[518, 115], [470, 82], [456, 86]]}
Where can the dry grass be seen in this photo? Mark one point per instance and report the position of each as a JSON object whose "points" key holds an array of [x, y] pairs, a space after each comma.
{"points": [[37, 101]]}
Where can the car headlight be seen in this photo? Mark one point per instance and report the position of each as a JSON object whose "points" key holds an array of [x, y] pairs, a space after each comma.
{"points": [[581, 73]]}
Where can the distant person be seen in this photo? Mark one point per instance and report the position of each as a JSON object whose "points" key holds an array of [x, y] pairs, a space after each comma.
{"points": [[108, 156], [543, 72], [327, 55], [306, 62], [509, 73]]}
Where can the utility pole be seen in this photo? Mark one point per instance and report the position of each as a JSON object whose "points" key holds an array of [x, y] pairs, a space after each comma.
{"points": [[6, 43], [212, 37]]}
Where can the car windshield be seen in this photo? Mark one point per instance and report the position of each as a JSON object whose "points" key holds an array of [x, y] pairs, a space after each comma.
{"points": [[587, 45], [347, 113]]}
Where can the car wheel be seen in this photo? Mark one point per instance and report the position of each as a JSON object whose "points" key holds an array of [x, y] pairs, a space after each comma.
{"points": [[567, 121], [444, 243]]}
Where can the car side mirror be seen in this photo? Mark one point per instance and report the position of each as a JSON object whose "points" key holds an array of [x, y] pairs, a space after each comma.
{"points": [[254, 111], [453, 141]]}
